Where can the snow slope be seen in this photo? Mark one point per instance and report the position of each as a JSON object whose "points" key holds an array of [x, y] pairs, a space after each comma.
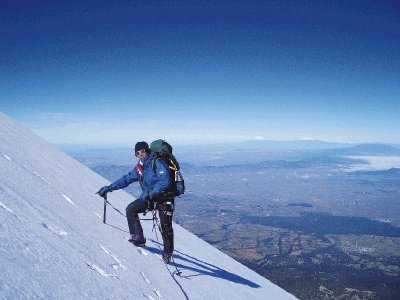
{"points": [[53, 244]]}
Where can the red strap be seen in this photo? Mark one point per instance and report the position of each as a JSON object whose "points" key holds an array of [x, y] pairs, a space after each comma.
{"points": [[140, 170]]}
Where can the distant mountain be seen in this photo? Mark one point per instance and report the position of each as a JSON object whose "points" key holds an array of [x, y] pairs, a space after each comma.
{"points": [[290, 145], [367, 150], [389, 172], [314, 161]]}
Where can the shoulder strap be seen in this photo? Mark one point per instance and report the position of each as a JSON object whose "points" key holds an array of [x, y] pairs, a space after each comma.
{"points": [[154, 164], [171, 162]]}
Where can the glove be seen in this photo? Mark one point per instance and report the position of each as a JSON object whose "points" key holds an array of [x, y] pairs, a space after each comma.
{"points": [[104, 190], [144, 196]]}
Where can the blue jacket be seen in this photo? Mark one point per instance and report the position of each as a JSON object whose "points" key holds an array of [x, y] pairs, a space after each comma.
{"points": [[153, 184]]}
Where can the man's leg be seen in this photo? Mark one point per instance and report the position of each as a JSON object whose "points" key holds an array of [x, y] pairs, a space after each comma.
{"points": [[132, 211], [167, 232]]}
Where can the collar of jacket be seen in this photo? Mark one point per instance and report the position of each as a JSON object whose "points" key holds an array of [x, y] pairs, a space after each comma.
{"points": [[146, 161]]}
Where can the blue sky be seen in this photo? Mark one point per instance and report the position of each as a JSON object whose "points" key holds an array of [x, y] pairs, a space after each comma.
{"points": [[114, 72]]}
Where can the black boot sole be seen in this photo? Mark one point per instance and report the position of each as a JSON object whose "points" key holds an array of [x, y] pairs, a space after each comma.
{"points": [[141, 244]]}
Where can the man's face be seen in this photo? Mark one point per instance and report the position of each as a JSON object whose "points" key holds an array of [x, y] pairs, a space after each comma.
{"points": [[141, 154]]}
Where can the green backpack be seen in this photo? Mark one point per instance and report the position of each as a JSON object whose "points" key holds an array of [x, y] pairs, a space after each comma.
{"points": [[163, 150]]}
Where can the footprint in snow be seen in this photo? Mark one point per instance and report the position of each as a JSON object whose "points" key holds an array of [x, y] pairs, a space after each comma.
{"points": [[101, 271], [3, 206], [157, 292], [142, 251], [44, 179], [145, 278], [116, 259], [68, 199], [6, 156], [54, 229]]}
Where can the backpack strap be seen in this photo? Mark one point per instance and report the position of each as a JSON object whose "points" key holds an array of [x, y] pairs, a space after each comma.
{"points": [[172, 163], [154, 164]]}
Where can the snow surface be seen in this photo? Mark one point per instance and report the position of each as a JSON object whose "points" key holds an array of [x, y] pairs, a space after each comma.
{"points": [[53, 244]]}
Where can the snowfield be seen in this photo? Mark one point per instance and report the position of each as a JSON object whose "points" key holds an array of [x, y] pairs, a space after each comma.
{"points": [[53, 244]]}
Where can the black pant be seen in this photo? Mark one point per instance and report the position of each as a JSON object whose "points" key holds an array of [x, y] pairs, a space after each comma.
{"points": [[138, 206]]}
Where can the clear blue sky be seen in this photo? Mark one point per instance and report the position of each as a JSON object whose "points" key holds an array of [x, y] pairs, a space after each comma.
{"points": [[113, 72]]}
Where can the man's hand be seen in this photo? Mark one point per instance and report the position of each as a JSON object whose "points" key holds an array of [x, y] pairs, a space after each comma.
{"points": [[104, 190]]}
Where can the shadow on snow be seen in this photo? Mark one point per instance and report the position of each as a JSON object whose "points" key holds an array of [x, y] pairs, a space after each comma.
{"points": [[202, 267]]}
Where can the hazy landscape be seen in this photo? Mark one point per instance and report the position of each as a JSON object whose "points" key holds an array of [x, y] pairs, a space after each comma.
{"points": [[321, 223]]}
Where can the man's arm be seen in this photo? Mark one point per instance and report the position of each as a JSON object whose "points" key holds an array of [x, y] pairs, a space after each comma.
{"points": [[125, 180]]}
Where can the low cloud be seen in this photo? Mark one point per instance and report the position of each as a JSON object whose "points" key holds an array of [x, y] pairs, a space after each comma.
{"points": [[260, 138]]}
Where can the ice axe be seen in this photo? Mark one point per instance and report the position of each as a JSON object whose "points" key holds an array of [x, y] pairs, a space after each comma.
{"points": [[105, 206]]}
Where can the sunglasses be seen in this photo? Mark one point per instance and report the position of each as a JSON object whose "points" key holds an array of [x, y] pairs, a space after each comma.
{"points": [[140, 152]]}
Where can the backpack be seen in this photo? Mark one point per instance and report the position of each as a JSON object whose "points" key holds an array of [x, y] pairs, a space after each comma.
{"points": [[163, 150]]}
